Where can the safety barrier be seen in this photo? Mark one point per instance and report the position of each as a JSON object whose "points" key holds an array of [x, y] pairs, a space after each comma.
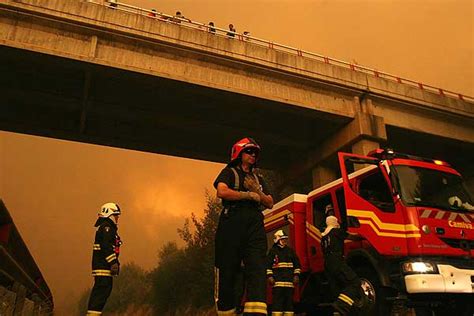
{"points": [[23, 290], [185, 22]]}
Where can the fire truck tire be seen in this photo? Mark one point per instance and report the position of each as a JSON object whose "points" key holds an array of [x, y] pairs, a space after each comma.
{"points": [[376, 303]]}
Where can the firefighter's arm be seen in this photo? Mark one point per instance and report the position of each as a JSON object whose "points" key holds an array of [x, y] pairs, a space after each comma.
{"points": [[107, 245], [269, 264], [297, 268], [226, 193], [252, 185]]}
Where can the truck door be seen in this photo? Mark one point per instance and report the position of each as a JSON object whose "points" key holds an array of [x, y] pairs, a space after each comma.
{"points": [[370, 206]]}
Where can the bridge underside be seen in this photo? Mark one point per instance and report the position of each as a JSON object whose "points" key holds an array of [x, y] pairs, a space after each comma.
{"points": [[50, 96], [62, 98]]}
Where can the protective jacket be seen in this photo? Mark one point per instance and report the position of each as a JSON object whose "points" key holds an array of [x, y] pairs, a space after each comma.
{"points": [[106, 247], [283, 265]]}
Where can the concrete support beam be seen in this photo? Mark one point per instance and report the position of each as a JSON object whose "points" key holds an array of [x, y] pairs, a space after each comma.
{"points": [[322, 175], [364, 132], [364, 146]]}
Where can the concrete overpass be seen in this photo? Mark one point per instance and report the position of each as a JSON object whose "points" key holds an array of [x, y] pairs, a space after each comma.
{"points": [[82, 71]]}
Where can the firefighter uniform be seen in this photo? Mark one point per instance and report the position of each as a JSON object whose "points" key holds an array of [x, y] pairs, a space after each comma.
{"points": [[240, 236], [105, 253], [337, 269], [283, 265]]}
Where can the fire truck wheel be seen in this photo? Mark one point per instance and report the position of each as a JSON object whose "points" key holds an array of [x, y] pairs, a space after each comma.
{"points": [[371, 287]]}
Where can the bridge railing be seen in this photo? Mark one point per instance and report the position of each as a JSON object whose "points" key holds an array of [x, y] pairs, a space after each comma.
{"points": [[23, 289], [185, 22]]}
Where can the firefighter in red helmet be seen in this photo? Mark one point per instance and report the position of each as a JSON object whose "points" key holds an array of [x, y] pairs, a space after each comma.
{"points": [[240, 235], [105, 263]]}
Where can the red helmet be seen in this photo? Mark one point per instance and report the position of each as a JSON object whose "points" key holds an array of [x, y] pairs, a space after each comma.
{"points": [[241, 145]]}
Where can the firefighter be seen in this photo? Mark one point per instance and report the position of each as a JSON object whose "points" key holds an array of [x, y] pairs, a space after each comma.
{"points": [[336, 268], [105, 254], [240, 234], [283, 270]]}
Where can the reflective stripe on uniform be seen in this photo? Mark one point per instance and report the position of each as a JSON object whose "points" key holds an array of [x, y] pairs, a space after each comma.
{"points": [[288, 313], [93, 313], [229, 312], [297, 271], [111, 258], [101, 273], [283, 284], [277, 313], [346, 299], [269, 271], [255, 307], [283, 265], [96, 247]]}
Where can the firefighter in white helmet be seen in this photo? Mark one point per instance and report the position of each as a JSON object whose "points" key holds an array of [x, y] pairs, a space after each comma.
{"points": [[283, 271], [337, 270], [240, 235], [105, 263]]}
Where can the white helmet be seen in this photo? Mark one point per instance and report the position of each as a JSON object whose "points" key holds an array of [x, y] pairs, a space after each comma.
{"points": [[455, 201], [109, 209], [279, 234]]}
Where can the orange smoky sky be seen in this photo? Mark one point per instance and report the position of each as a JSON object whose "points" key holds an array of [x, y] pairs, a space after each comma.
{"points": [[54, 188]]}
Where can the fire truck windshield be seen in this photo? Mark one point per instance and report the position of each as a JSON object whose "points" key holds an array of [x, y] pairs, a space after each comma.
{"points": [[433, 188]]}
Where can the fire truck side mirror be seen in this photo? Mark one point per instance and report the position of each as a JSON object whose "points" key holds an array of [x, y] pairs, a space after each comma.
{"points": [[353, 221]]}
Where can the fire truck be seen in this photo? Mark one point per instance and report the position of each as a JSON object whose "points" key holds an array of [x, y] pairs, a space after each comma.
{"points": [[415, 218]]}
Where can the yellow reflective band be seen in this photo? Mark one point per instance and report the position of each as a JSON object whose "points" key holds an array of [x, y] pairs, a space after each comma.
{"points": [[288, 313], [277, 313], [276, 217], [283, 284], [93, 313], [269, 271], [346, 299], [111, 258], [96, 247], [101, 273], [297, 271], [283, 265], [255, 307], [229, 312]]}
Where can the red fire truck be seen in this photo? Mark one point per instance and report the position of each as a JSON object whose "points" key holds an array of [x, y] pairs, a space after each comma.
{"points": [[416, 221]]}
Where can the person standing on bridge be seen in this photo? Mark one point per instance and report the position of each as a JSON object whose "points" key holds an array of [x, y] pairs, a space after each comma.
{"points": [[283, 272], [105, 254], [240, 234]]}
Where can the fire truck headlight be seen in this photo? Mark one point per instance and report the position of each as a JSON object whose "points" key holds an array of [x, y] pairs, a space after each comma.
{"points": [[419, 267]]}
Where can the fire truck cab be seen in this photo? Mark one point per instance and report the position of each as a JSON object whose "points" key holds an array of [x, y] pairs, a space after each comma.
{"points": [[416, 220]]}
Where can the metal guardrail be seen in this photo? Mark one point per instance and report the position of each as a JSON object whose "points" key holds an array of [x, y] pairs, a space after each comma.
{"points": [[185, 22], [17, 266]]}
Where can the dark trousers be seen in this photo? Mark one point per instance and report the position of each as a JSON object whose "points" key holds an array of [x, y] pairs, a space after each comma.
{"points": [[344, 279], [100, 293], [241, 237], [282, 299]]}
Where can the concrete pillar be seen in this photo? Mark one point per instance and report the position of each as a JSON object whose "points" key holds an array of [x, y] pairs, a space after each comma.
{"points": [[323, 175], [364, 146]]}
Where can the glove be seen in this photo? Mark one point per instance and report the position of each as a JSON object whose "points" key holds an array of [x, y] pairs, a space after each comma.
{"points": [[114, 269], [296, 279], [250, 196], [251, 184], [271, 280]]}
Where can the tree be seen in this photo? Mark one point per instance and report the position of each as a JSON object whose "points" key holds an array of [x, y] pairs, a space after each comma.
{"points": [[184, 278]]}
